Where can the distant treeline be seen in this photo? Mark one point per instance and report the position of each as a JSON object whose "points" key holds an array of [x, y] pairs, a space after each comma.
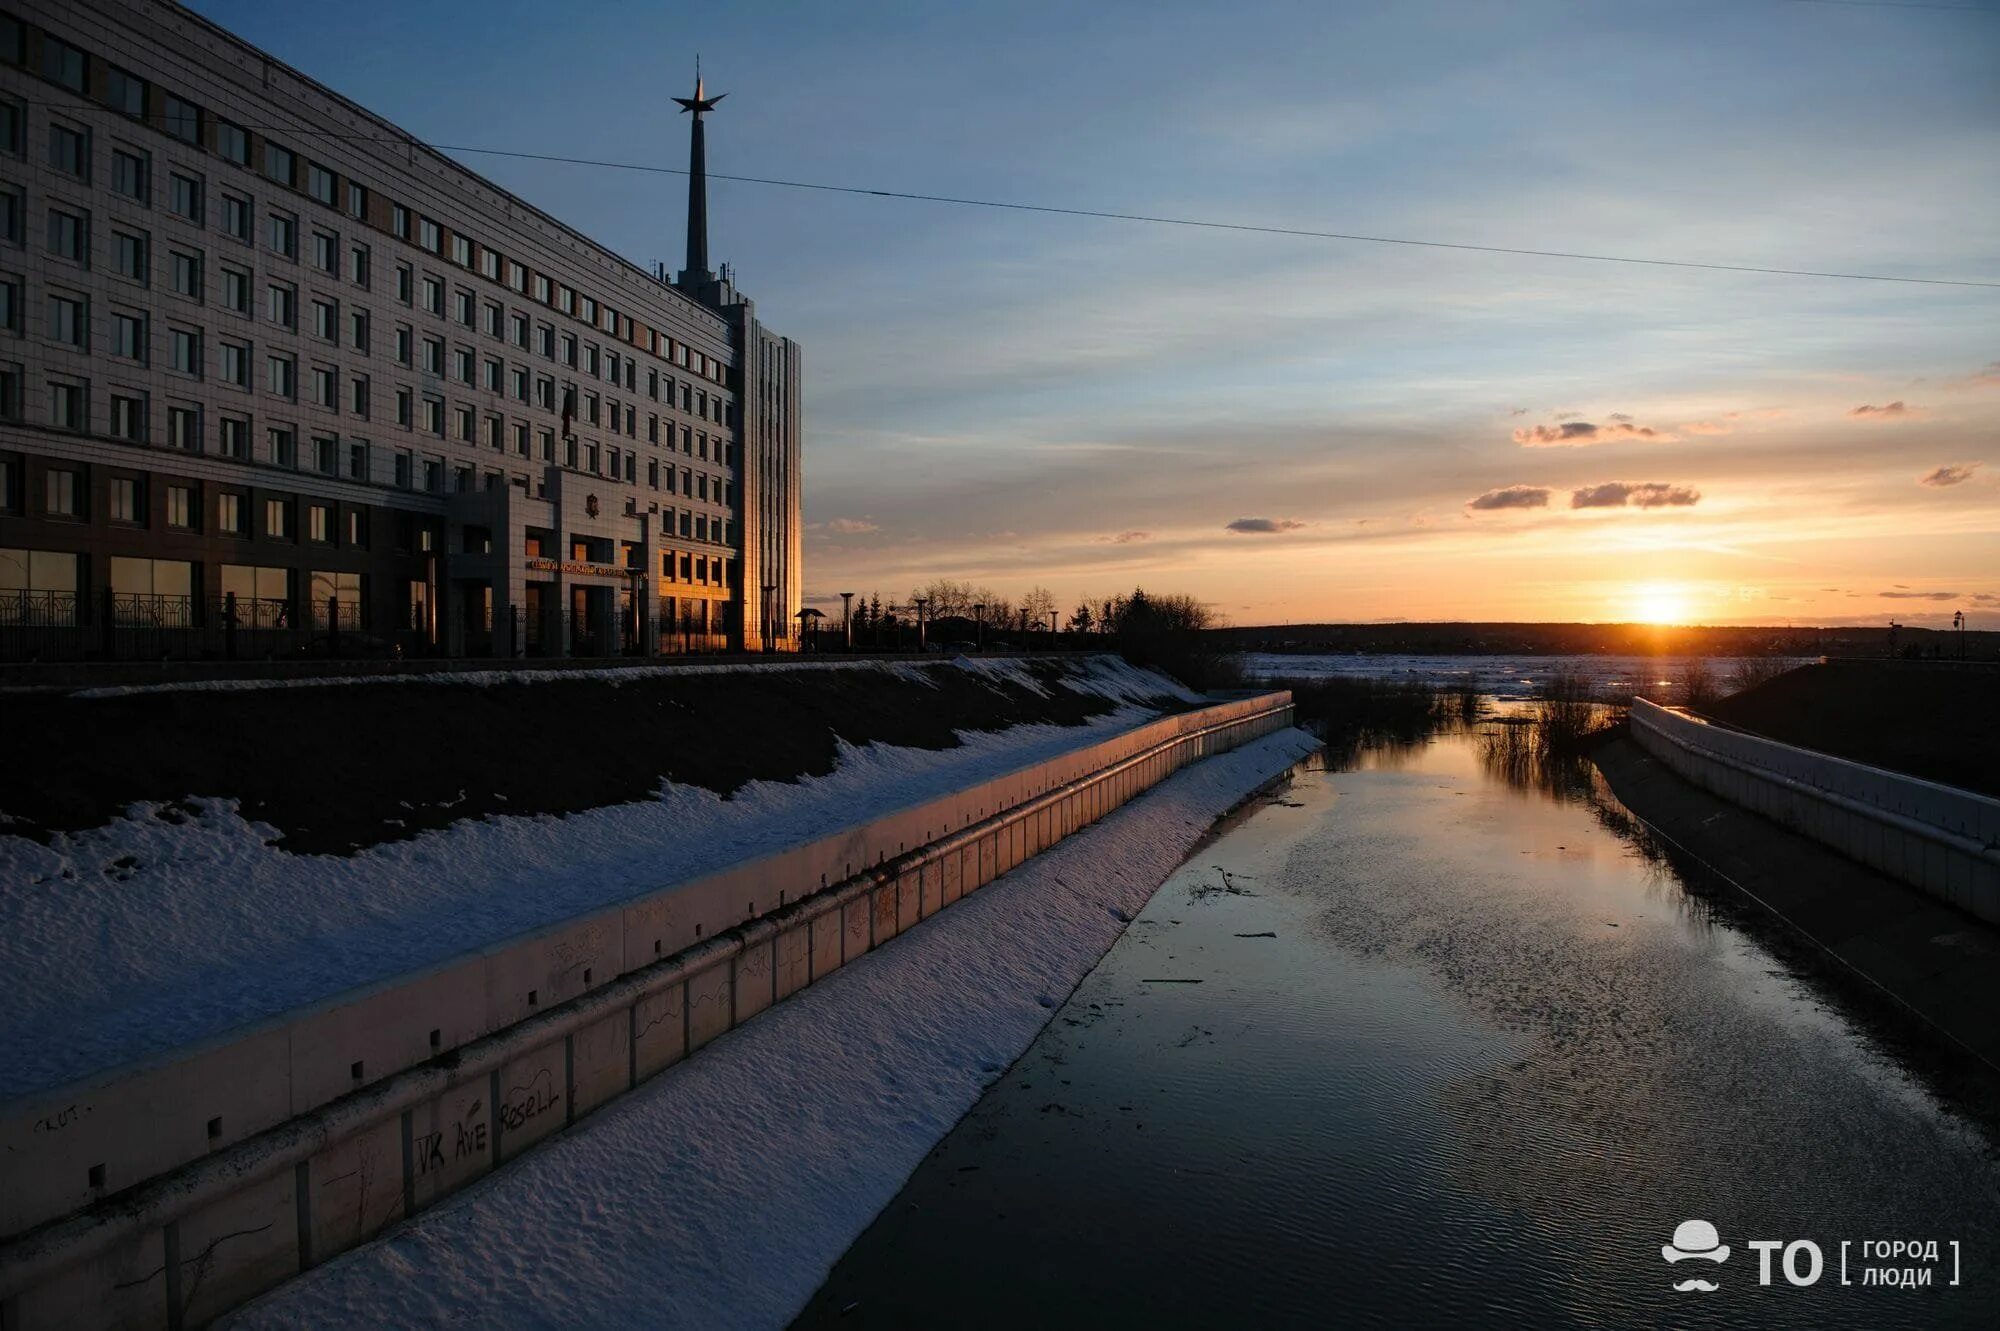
{"points": [[1502, 639]]}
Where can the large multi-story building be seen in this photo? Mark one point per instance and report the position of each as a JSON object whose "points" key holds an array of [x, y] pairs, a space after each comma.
{"points": [[276, 377]]}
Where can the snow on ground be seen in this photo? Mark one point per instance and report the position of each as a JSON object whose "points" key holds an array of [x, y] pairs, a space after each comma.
{"points": [[721, 1193], [145, 934], [1107, 674]]}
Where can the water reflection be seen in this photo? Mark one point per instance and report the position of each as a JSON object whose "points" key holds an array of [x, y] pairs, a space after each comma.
{"points": [[1461, 1047]]}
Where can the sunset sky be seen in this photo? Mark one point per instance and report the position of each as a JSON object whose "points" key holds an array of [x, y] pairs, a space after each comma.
{"points": [[1309, 429]]}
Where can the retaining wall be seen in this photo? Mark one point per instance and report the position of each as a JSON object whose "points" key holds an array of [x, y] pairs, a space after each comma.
{"points": [[1937, 838], [165, 1192]]}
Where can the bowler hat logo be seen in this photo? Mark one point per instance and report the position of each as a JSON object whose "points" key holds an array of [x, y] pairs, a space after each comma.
{"points": [[1696, 1240], [590, 505]]}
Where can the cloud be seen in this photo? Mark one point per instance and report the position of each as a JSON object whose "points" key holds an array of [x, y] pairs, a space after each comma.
{"points": [[1727, 422], [1576, 434], [1621, 418], [1986, 378], [1639, 494], [1920, 596], [1984, 598], [1887, 411], [851, 527], [1126, 537], [1954, 473], [1513, 496], [1264, 526]]}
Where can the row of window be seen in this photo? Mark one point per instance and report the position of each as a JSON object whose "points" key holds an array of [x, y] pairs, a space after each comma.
{"points": [[190, 123], [167, 593]]}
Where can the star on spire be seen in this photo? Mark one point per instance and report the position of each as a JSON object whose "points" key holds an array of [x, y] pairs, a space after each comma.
{"points": [[699, 103]]}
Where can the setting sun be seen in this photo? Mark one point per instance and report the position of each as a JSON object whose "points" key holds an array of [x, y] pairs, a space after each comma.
{"points": [[1659, 603]]}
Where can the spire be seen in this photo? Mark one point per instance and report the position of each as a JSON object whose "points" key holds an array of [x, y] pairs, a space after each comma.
{"points": [[696, 272]]}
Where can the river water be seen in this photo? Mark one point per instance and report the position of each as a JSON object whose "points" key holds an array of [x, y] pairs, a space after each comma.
{"points": [[1514, 678], [1417, 1045]]}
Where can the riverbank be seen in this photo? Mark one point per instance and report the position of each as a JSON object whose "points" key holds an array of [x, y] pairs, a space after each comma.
{"points": [[1888, 943], [1938, 720], [191, 914], [719, 1195]]}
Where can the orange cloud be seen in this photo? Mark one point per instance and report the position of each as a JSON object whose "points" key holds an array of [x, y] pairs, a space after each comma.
{"points": [[1512, 496], [1641, 494], [1577, 434], [1887, 411], [851, 527], [1265, 526], [1954, 473]]}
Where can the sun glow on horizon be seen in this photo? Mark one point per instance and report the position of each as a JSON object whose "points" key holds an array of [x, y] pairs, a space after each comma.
{"points": [[1659, 603]]}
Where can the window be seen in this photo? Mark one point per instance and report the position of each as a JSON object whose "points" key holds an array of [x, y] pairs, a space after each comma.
{"points": [[517, 276], [62, 63], [490, 375], [233, 438], [489, 320], [180, 507], [433, 355], [284, 447], [465, 423], [319, 524], [11, 212], [521, 438], [541, 288], [69, 319], [129, 254], [428, 235], [461, 364], [518, 330], [405, 410], [182, 120], [184, 196], [69, 150], [279, 163], [285, 235], [461, 251], [319, 183], [236, 289], [277, 518], [13, 126], [433, 295], [69, 409], [186, 274], [186, 351], [59, 492], [357, 397], [326, 253], [229, 514], [357, 330], [326, 320], [405, 469], [10, 303], [184, 428], [232, 142], [590, 360], [128, 417], [283, 373], [569, 349], [234, 364], [326, 387], [403, 283], [518, 385], [129, 171], [434, 416], [326, 456], [282, 304], [357, 200], [545, 342], [69, 235], [357, 265], [236, 215], [462, 307], [357, 470]]}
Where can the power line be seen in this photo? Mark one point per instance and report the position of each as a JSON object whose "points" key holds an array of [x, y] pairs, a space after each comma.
{"points": [[1150, 218], [1902, 4]]}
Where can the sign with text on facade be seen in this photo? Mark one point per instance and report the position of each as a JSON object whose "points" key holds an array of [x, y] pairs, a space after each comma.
{"points": [[579, 567]]}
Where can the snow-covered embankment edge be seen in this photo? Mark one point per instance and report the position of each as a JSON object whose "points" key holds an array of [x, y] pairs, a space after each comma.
{"points": [[720, 1194]]}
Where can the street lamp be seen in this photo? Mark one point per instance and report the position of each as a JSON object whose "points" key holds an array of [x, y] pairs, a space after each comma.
{"points": [[847, 618], [1052, 630], [979, 639], [1958, 623], [770, 622], [921, 602]]}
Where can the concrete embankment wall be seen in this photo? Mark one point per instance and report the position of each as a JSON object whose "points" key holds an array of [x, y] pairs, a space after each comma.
{"points": [[1939, 839], [165, 1193]]}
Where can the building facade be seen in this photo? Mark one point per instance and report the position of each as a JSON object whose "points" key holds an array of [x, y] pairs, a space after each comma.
{"points": [[275, 378]]}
